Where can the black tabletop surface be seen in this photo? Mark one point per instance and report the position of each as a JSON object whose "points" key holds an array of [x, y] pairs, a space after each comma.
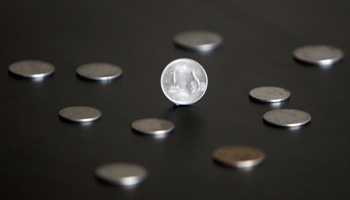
{"points": [[44, 157]]}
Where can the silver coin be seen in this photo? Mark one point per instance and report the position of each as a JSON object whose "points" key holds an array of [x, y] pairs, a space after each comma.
{"points": [[239, 156], [318, 54], [198, 40], [153, 126], [269, 94], [32, 68], [287, 117], [124, 174], [184, 81], [99, 71], [80, 113]]}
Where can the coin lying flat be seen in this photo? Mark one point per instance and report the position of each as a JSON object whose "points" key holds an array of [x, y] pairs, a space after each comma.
{"points": [[318, 54], [99, 71], [32, 68], [239, 156], [80, 114], [287, 117], [184, 81], [269, 94], [198, 40], [124, 174], [153, 126]]}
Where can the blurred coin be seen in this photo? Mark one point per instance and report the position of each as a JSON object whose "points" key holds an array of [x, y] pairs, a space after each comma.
{"points": [[80, 113], [124, 174], [269, 94], [287, 117], [99, 71], [184, 81], [198, 40], [239, 156], [318, 54], [153, 126], [32, 68]]}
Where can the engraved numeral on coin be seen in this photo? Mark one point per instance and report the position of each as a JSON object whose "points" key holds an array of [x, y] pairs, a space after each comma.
{"points": [[174, 76], [194, 85]]}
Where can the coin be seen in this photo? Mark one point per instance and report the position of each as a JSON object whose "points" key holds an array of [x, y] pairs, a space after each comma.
{"points": [[198, 40], [287, 117], [318, 54], [32, 68], [184, 81], [269, 94], [239, 156], [153, 126], [99, 71], [80, 114], [119, 173]]}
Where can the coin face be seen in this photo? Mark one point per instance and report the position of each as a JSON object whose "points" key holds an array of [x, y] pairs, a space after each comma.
{"points": [[32, 68], [239, 156], [184, 81], [124, 174], [318, 54], [269, 94], [99, 71], [287, 117], [80, 114], [153, 126], [198, 40]]}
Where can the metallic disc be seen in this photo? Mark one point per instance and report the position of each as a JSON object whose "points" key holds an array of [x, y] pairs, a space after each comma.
{"points": [[269, 94], [153, 126], [99, 71], [80, 114], [32, 68], [287, 117], [198, 40], [184, 81], [124, 174], [239, 156], [319, 54]]}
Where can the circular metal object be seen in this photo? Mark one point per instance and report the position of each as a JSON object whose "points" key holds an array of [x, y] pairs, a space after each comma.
{"points": [[239, 156], [198, 40], [153, 126], [287, 117], [318, 54], [32, 68], [99, 71], [184, 81], [269, 94], [80, 114], [124, 174]]}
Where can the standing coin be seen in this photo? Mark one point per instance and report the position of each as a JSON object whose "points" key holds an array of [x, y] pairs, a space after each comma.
{"points": [[32, 68], [287, 117], [198, 40], [153, 126], [269, 94], [239, 156], [124, 174], [80, 114], [318, 54], [99, 71], [184, 81]]}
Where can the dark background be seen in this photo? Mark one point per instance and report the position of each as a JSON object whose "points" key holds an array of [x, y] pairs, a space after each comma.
{"points": [[42, 157]]}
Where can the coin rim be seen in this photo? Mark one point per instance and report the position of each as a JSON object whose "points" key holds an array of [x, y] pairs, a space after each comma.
{"points": [[80, 120], [161, 132], [270, 101], [104, 78], [318, 62], [41, 75], [203, 47], [287, 125]]}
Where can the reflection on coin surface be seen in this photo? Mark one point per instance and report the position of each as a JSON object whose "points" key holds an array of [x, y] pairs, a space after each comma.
{"points": [[99, 71], [80, 113], [239, 156], [184, 81], [198, 40], [32, 68], [287, 117], [153, 126], [124, 174], [269, 94], [319, 54]]}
